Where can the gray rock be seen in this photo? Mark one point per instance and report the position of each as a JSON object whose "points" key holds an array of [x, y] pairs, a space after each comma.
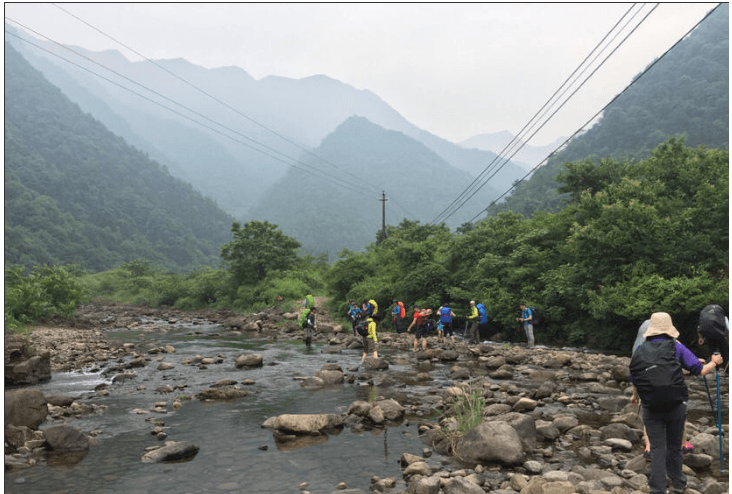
{"points": [[491, 441], [172, 451], [461, 485], [32, 371], [25, 407], [221, 394], [371, 364], [307, 423], [15, 437], [59, 400], [65, 438], [249, 361], [391, 408], [223, 382]]}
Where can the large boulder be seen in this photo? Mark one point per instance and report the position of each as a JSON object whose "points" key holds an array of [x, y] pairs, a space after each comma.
{"points": [[490, 442], [524, 425], [65, 438], [330, 374], [391, 408], [249, 360], [34, 370], [307, 423], [27, 407]]}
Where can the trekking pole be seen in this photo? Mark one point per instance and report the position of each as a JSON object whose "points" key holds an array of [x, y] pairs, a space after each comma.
{"points": [[709, 395], [719, 424]]}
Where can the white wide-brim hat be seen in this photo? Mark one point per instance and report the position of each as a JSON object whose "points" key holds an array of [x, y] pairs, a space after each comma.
{"points": [[661, 324]]}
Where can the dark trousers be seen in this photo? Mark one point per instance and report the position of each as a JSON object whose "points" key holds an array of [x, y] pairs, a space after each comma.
{"points": [[665, 430], [398, 324]]}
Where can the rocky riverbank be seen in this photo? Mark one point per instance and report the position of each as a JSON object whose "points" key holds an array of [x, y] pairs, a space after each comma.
{"points": [[553, 421]]}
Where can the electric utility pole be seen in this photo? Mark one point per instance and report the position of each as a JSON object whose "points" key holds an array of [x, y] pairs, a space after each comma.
{"points": [[383, 215]]}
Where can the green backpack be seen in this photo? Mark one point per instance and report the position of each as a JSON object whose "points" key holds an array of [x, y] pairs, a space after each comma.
{"points": [[302, 321]]}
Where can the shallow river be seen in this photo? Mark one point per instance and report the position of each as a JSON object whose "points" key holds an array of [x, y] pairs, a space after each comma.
{"points": [[236, 454]]}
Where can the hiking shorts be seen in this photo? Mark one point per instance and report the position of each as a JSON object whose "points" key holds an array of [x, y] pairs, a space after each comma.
{"points": [[421, 332], [368, 344]]}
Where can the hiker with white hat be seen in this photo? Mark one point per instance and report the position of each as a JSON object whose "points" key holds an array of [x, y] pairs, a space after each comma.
{"points": [[655, 370]]}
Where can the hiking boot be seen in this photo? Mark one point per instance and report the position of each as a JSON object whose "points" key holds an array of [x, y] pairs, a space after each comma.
{"points": [[687, 448]]}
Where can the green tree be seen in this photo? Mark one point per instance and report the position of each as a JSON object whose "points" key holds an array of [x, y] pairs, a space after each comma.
{"points": [[257, 248]]}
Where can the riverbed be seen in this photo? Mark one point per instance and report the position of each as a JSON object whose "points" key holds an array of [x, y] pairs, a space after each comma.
{"points": [[236, 454]]}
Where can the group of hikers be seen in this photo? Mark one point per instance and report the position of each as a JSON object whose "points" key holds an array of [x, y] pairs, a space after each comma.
{"points": [[655, 367], [365, 316]]}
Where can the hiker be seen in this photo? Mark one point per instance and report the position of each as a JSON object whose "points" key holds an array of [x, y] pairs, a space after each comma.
{"points": [[446, 316], [369, 341], [686, 447], [713, 328], [397, 315], [527, 319], [354, 314], [370, 307], [310, 326], [655, 370], [419, 318], [474, 319]]}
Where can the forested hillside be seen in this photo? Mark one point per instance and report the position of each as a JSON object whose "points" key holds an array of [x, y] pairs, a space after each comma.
{"points": [[76, 193], [686, 93], [649, 236], [327, 217]]}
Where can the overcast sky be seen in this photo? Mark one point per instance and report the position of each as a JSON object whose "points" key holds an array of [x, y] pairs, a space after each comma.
{"points": [[455, 70]]}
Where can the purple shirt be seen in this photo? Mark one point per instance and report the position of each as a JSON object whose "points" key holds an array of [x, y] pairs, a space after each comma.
{"points": [[688, 360]]}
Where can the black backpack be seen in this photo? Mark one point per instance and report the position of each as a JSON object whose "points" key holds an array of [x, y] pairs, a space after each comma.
{"points": [[362, 327], [657, 375], [535, 319], [711, 323]]}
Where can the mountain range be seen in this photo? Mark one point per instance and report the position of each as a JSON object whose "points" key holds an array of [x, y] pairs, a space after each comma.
{"points": [[222, 130]]}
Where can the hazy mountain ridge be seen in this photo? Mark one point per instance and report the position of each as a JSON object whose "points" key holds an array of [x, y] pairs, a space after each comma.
{"points": [[328, 218], [304, 111], [527, 157]]}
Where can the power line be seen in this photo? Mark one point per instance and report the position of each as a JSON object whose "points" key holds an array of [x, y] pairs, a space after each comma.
{"points": [[211, 96], [324, 174], [474, 187], [636, 79]]}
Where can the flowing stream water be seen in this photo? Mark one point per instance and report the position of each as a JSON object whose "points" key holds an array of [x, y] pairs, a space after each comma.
{"points": [[236, 454]]}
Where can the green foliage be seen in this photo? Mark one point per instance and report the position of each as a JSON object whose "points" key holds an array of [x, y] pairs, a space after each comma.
{"points": [[44, 292], [256, 249], [469, 409], [636, 237]]}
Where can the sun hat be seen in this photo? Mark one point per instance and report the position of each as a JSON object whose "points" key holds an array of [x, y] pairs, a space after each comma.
{"points": [[661, 324]]}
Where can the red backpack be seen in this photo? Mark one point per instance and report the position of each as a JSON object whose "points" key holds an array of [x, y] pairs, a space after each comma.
{"points": [[402, 312]]}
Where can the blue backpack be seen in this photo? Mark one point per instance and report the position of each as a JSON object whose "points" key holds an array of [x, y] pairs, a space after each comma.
{"points": [[483, 313], [445, 315]]}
